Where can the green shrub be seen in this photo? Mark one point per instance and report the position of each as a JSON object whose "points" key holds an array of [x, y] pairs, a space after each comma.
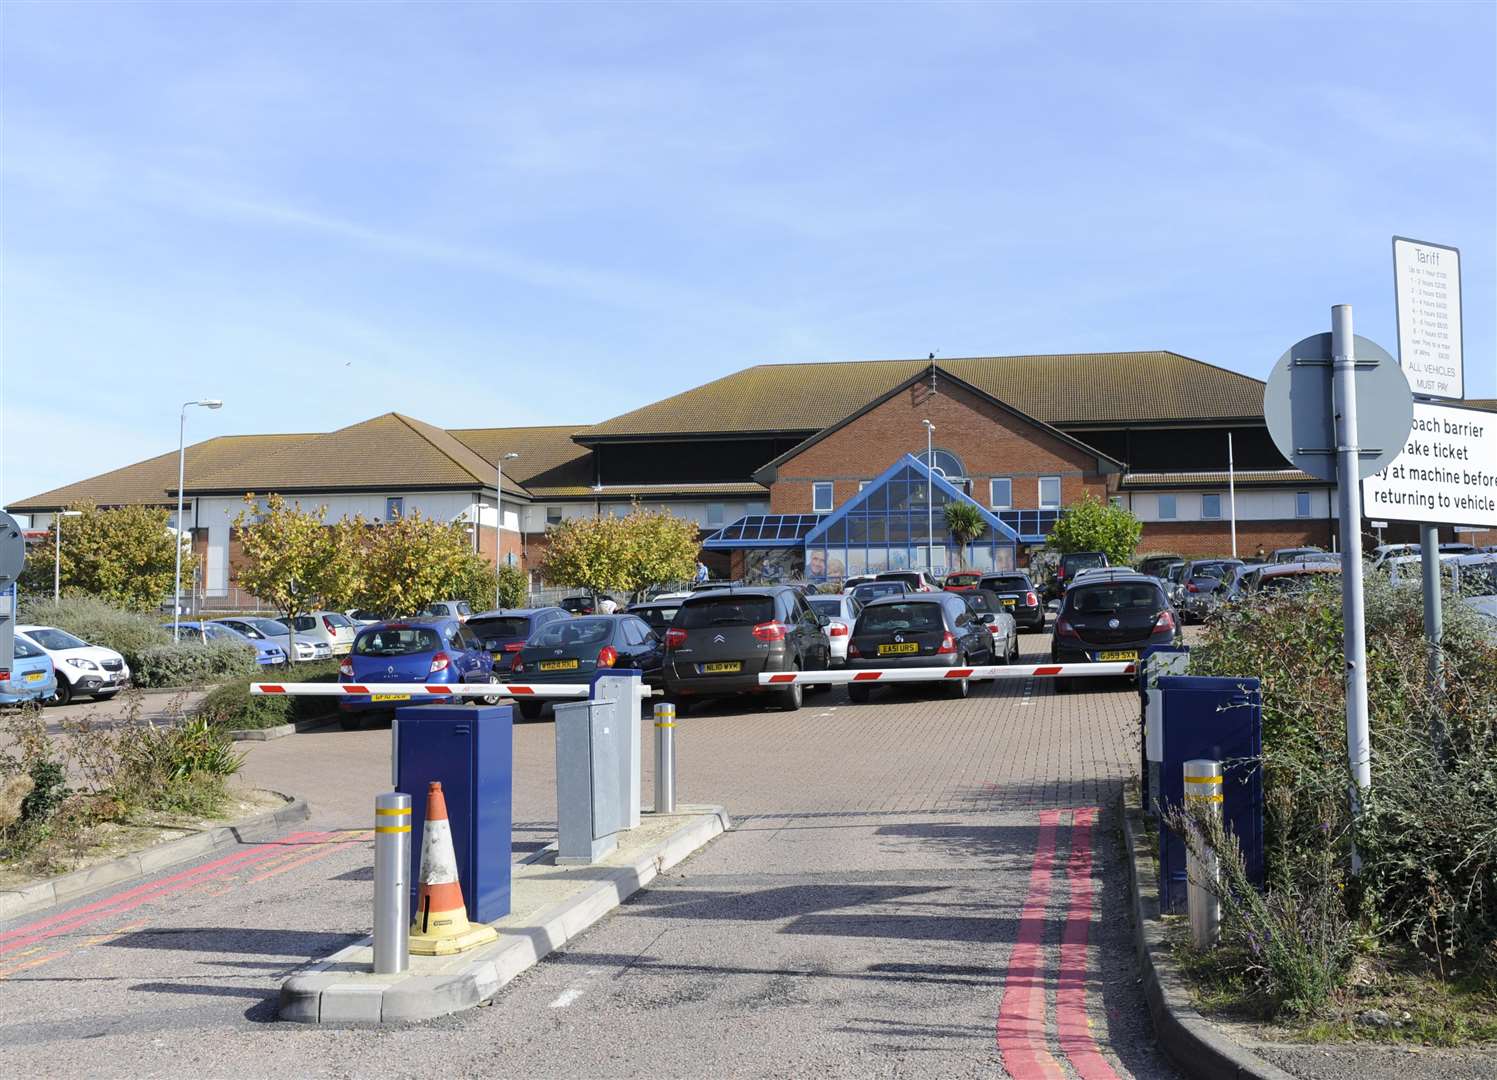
{"points": [[49, 780], [191, 663], [98, 622], [232, 707]]}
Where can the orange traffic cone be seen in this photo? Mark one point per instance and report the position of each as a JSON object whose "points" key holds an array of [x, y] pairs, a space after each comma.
{"points": [[441, 925]]}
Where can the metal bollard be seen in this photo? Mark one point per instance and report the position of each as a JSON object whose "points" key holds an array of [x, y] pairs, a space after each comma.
{"points": [[1203, 789], [665, 758], [392, 885]]}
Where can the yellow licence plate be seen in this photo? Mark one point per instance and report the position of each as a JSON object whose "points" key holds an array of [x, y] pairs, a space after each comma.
{"points": [[901, 647], [1130, 654], [389, 697], [1009, 601], [35, 676], [723, 667], [558, 665]]}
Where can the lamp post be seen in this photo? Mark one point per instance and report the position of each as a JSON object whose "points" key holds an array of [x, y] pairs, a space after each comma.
{"points": [[206, 403], [499, 516], [930, 509], [57, 553]]}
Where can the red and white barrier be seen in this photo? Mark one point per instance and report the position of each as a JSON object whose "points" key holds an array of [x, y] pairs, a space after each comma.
{"points": [[935, 674], [455, 690]]}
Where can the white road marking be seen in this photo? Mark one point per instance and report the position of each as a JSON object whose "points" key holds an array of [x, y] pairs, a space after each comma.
{"points": [[566, 997]]}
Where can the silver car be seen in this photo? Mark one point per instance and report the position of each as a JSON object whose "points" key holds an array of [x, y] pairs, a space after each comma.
{"points": [[842, 609], [271, 630]]}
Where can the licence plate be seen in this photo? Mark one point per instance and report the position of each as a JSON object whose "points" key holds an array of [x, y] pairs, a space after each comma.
{"points": [[389, 697], [35, 676], [558, 665], [900, 647], [497, 656], [1116, 654], [1009, 601], [722, 667]]}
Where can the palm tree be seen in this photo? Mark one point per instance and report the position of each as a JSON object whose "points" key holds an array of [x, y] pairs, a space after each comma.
{"points": [[965, 523]]}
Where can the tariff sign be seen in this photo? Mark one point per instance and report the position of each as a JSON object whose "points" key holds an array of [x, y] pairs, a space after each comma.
{"points": [[1427, 292], [1446, 475]]}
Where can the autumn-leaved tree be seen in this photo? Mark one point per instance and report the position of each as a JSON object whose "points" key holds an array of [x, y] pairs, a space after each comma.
{"points": [[124, 555], [621, 554], [412, 561], [1092, 525]]}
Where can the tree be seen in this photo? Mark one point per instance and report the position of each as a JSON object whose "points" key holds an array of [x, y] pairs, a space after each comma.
{"points": [[125, 555], [412, 561], [964, 521], [293, 561], [621, 554], [1092, 525]]}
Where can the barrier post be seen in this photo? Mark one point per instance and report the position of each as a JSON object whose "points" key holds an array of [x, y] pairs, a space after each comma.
{"points": [[1203, 790], [665, 758], [392, 887]]}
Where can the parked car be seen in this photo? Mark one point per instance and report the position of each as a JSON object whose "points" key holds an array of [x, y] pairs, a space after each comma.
{"points": [[1288, 576], [704, 586], [841, 611], [266, 652], [1112, 619], [446, 609], [1383, 552], [659, 612], [31, 676], [581, 604], [1073, 561], [1174, 582], [870, 591], [276, 633], [363, 617], [505, 632], [914, 580], [849, 584], [81, 669], [1243, 579], [721, 641], [1290, 554], [1004, 632], [1158, 565], [962, 580], [428, 651], [1020, 598], [574, 650], [1205, 582], [332, 628], [919, 630], [1409, 569]]}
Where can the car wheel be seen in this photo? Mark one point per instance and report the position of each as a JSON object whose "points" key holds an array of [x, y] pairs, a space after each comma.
{"points": [[353, 722], [859, 695], [956, 689], [63, 695], [492, 699], [789, 699], [531, 710]]}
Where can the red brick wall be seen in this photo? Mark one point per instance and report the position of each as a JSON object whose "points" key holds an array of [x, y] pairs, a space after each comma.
{"points": [[989, 441], [1211, 538]]}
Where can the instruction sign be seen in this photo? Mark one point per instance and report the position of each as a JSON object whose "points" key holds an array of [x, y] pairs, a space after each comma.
{"points": [[1446, 475], [1427, 288]]}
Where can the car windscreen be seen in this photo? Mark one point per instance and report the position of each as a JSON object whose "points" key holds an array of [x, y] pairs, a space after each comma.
{"points": [[250, 631], [888, 618], [397, 641], [1210, 569], [1095, 599], [983, 600], [656, 615], [269, 627], [1008, 583], [831, 606], [912, 580], [725, 609], [1072, 563], [865, 593], [565, 632], [51, 638], [338, 620], [508, 626]]}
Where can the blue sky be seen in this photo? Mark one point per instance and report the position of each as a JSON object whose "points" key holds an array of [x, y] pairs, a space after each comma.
{"points": [[486, 215]]}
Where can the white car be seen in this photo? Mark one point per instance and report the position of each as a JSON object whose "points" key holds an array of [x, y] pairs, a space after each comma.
{"points": [[82, 669], [333, 628], [269, 630], [447, 609], [1409, 569], [843, 610]]}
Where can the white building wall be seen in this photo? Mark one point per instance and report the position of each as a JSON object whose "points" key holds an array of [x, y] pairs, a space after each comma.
{"points": [[1254, 504]]}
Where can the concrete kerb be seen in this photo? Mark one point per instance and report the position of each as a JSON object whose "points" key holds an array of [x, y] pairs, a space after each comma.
{"points": [[1193, 1043], [280, 731], [342, 989], [139, 864]]}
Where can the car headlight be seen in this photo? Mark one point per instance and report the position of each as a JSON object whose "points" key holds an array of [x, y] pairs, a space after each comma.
{"points": [[85, 665]]}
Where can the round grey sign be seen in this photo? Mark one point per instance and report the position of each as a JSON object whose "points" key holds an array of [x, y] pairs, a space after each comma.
{"points": [[1298, 407], [12, 548]]}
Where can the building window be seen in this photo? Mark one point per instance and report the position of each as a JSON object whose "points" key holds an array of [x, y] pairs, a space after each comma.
{"points": [[714, 513], [394, 508], [821, 498], [1000, 493], [1166, 508], [1301, 504], [553, 515], [944, 462], [1211, 506], [1049, 493]]}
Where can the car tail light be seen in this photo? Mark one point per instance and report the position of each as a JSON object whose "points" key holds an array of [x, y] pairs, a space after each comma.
{"points": [[329, 627], [838, 629], [1031, 600], [1191, 587], [1165, 622], [608, 657], [853, 650], [439, 662], [518, 666], [1065, 629], [769, 631], [948, 643], [345, 668], [514, 646], [674, 637]]}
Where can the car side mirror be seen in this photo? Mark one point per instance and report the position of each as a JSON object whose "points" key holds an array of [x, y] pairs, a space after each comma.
{"points": [[987, 617]]}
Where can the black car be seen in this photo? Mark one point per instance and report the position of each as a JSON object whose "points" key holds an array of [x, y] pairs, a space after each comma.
{"points": [[720, 642], [1072, 562], [574, 650], [503, 632], [870, 591], [1158, 565], [919, 630], [1020, 598], [1113, 618], [658, 613], [704, 586], [580, 605]]}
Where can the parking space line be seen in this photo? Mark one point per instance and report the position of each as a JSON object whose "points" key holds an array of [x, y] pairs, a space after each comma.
{"points": [[1072, 1024], [1021, 1013], [320, 851]]}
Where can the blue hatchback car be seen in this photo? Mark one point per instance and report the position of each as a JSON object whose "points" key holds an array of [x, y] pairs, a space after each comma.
{"points": [[266, 652], [433, 652], [30, 677]]}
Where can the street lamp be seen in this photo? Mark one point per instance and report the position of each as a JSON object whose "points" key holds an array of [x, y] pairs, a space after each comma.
{"points": [[206, 403], [499, 511], [930, 510], [57, 553]]}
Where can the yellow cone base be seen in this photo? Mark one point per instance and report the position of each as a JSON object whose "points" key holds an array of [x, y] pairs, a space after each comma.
{"points": [[471, 938]]}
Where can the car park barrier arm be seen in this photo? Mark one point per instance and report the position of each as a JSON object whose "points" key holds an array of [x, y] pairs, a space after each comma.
{"points": [[934, 674], [455, 690]]}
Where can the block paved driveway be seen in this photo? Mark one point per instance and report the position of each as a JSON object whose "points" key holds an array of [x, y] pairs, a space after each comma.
{"points": [[912, 888]]}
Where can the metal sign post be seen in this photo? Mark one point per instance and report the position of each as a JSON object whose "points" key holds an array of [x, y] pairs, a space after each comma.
{"points": [[1349, 501]]}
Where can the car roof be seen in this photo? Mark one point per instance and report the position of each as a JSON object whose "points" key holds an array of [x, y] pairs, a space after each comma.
{"points": [[1114, 574], [505, 613], [915, 598], [742, 590], [425, 622], [1285, 569]]}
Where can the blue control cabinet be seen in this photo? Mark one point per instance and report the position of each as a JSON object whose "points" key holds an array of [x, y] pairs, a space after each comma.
{"points": [[1222, 720], [471, 751]]}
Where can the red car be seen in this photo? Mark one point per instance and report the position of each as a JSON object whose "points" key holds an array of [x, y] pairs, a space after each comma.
{"points": [[962, 581]]}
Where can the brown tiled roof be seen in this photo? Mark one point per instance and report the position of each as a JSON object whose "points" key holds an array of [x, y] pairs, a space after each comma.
{"points": [[1244, 478], [648, 491], [154, 481], [1070, 388], [548, 456]]}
